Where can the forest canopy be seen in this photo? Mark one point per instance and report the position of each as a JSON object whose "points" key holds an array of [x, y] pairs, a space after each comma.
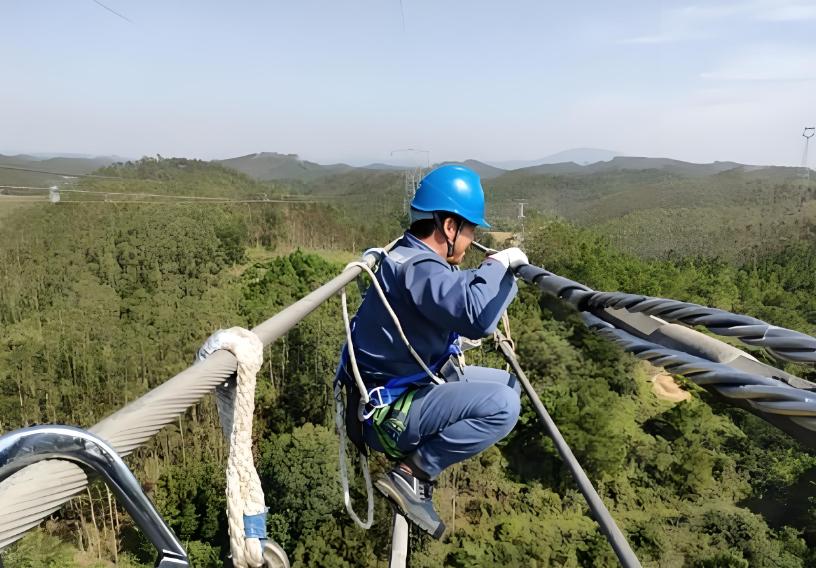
{"points": [[101, 302]]}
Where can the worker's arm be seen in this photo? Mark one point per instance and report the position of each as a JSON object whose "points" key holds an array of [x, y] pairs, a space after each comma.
{"points": [[469, 302]]}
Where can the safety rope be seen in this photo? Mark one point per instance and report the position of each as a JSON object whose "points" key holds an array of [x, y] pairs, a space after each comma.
{"points": [[609, 527], [340, 423], [246, 507]]}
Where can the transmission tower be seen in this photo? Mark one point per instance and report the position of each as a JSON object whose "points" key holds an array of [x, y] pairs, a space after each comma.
{"points": [[413, 174], [521, 219], [807, 133]]}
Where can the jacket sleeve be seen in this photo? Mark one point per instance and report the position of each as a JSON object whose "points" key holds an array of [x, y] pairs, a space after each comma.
{"points": [[469, 302]]}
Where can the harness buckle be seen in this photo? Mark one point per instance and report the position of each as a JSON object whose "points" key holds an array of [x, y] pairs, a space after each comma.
{"points": [[368, 409]]}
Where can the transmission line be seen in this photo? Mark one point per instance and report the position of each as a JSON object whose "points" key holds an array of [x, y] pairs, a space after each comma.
{"points": [[24, 187], [158, 195], [222, 202], [112, 11], [17, 168]]}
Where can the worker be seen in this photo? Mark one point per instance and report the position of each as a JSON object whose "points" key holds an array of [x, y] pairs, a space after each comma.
{"points": [[423, 425]]}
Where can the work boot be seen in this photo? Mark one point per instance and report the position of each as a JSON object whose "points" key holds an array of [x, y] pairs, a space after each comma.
{"points": [[414, 498]]}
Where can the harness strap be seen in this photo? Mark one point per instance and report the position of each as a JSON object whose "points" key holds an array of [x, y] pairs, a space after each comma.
{"points": [[384, 396], [388, 423]]}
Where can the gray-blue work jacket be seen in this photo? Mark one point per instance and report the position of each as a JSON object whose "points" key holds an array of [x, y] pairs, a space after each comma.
{"points": [[431, 299]]}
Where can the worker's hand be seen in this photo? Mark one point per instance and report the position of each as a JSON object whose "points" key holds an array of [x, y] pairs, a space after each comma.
{"points": [[512, 257]]}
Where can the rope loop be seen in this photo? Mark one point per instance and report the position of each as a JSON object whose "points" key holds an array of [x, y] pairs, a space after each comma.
{"points": [[235, 399]]}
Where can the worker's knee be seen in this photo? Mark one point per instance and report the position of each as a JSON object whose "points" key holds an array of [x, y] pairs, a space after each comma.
{"points": [[506, 409], [513, 406]]}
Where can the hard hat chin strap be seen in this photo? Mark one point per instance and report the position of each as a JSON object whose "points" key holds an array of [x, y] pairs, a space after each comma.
{"points": [[440, 226]]}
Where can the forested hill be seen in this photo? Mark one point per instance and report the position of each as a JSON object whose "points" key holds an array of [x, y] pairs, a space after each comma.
{"points": [[180, 176], [647, 206], [274, 166], [100, 302], [697, 209]]}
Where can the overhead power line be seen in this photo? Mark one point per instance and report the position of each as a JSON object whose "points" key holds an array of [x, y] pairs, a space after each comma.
{"points": [[288, 199], [168, 198], [140, 194], [17, 168], [112, 11], [24, 187], [402, 13], [156, 201]]}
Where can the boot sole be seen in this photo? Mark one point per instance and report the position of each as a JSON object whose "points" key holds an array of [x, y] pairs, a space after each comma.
{"points": [[392, 495]]}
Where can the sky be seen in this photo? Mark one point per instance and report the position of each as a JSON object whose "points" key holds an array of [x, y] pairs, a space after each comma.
{"points": [[353, 80]]}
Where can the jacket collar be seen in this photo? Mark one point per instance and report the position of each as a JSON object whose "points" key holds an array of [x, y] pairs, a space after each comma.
{"points": [[411, 241]]}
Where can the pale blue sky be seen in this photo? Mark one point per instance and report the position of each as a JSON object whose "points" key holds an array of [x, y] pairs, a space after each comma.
{"points": [[344, 81]]}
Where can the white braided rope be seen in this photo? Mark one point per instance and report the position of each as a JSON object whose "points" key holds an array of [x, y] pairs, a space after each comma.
{"points": [[244, 493]]}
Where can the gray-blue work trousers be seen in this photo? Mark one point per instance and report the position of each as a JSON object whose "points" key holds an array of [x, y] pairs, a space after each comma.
{"points": [[451, 422]]}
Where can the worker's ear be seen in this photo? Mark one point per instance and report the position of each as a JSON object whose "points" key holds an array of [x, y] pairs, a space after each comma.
{"points": [[451, 227]]}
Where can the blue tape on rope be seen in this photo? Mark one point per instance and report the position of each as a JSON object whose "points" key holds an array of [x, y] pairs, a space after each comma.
{"points": [[255, 525]]}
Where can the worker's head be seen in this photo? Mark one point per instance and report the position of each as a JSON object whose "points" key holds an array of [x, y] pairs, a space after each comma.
{"points": [[445, 231], [449, 205]]}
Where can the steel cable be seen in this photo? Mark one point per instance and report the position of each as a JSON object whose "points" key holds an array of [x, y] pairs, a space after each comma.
{"points": [[788, 407], [780, 342]]}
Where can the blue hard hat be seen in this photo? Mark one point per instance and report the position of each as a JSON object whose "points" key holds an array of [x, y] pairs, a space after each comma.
{"points": [[455, 189]]}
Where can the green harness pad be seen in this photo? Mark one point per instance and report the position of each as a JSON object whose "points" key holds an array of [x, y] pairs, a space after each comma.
{"points": [[389, 423]]}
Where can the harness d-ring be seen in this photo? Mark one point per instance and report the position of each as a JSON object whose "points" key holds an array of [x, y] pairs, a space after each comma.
{"points": [[377, 393]]}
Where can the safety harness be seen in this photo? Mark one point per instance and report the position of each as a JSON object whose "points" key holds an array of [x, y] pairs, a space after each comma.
{"points": [[388, 404], [384, 407]]}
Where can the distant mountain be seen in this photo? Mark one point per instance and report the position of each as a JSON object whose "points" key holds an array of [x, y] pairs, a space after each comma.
{"points": [[60, 164], [665, 164], [580, 156], [486, 171], [274, 166], [382, 166], [563, 168], [623, 163], [49, 171], [47, 155]]}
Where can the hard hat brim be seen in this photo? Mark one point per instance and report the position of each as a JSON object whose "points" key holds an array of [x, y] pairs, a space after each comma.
{"points": [[418, 214]]}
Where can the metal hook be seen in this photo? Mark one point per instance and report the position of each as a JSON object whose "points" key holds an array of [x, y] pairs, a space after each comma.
{"points": [[21, 448]]}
